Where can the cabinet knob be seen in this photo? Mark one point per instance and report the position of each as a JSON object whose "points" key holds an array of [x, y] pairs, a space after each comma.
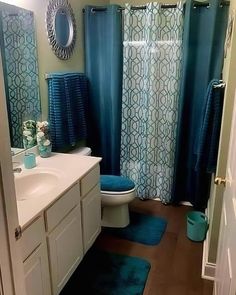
{"points": [[220, 180]]}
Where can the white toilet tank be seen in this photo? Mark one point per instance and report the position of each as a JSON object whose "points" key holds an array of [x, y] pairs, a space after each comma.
{"points": [[82, 151]]}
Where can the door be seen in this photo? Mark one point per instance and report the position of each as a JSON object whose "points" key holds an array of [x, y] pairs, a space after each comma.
{"points": [[1, 293], [10, 255], [215, 201], [225, 279]]}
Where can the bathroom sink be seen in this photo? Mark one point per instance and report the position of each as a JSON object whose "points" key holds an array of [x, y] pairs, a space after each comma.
{"points": [[37, 183]]}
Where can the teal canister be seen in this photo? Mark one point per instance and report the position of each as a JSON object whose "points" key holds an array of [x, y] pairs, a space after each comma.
{"points": [[29, 160], [197, 226]]}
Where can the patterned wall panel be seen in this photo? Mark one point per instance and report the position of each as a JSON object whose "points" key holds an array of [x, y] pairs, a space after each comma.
{"points": [[20, 65]]}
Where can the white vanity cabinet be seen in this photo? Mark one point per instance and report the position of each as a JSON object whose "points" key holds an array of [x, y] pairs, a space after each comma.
{"points": [[55, 242], [35, 257]]}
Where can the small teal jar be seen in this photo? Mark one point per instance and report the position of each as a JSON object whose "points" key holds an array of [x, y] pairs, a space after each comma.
{"points": [[29, 160], [45, 151], [43, 139]]}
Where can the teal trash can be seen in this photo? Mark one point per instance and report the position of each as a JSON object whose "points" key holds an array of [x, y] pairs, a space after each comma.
{"points": [[197, 225]]}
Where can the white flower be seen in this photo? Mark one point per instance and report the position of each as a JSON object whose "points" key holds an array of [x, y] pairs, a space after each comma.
{"points": [[39, 124], [45, 123], [26, 132], [40, 134], [47, 142], [29, 138]]}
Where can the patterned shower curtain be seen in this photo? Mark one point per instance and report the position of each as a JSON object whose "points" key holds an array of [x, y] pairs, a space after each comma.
{"points": [[151, 84]]}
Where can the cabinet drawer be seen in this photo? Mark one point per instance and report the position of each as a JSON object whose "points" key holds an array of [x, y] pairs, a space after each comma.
{"points": [[62, 207], [90, 180], [32, 237]]}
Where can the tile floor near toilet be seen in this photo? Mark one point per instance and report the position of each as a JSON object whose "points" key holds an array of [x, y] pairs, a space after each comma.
{"points": [[175, 262]]}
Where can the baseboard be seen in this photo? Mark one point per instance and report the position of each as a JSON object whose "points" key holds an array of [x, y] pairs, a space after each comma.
{"points": [[208, 268], [181, 203], [185, 203], [208, 271]]}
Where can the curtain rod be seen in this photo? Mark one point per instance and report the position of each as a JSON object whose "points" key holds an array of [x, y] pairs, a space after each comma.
{"points": [[195, 4]]}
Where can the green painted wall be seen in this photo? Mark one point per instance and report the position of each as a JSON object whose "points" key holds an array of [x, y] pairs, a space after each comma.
{"points": [[47, 60]]}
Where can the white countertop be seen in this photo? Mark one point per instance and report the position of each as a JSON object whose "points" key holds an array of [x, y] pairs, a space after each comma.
{"points": [[73, 168]]}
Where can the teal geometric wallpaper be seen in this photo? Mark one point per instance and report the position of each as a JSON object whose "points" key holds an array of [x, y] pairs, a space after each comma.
{"points": [[19, 52]]}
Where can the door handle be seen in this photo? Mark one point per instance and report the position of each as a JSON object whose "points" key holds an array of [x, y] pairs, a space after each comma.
{"points": [[220, 180]]}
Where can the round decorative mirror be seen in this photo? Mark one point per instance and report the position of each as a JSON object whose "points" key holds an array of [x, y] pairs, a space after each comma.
{"points": [[61, 28]]}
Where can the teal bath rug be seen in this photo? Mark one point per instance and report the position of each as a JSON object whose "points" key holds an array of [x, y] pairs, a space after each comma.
{"points": [[144, 229], [104, 273]]}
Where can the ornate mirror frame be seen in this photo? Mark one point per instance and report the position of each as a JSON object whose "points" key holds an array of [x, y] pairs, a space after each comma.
{"points": [[62, 52]]}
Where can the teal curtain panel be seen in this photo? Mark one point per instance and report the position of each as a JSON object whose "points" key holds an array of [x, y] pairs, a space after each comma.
{"points": [[103, 63], [203, 48]]}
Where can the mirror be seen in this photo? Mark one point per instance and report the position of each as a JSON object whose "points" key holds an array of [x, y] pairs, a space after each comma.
{"points": [[20, 67], [63, 27], [60, 23]]}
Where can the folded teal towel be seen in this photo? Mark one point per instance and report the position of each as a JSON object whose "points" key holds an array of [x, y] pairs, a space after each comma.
{"points": [[208, 141], [68, 95]]}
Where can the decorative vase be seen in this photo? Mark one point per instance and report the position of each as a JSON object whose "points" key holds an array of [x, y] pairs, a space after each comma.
{"points": [[29, 133], [43, 139]]}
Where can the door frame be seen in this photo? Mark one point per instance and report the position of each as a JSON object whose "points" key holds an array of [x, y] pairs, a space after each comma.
{"points": [[11, 264]]}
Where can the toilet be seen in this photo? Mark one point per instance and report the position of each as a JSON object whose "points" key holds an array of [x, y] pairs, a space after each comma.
{"points": [[116, 194], [82, 151]]}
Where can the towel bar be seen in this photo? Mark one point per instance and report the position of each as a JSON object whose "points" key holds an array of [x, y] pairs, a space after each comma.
{"points": [[221, 85]]}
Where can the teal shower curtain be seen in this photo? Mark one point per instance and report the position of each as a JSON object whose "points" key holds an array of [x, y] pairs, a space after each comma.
{"points": [[204, 34], [151, 83], [103, 62]]}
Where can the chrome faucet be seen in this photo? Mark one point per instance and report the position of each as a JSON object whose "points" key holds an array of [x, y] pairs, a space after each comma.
{"points": [[16, 169]]}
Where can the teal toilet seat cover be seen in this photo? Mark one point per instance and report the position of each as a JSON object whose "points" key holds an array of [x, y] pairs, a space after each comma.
{"points": [[116, 183]]}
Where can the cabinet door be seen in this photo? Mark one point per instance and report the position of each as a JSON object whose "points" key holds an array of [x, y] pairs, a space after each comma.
{"points": [[65, 249], [37, 278], [91, 216]]}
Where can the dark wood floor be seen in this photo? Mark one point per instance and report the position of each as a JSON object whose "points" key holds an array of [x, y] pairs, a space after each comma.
{"points": [[175, 262]]}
